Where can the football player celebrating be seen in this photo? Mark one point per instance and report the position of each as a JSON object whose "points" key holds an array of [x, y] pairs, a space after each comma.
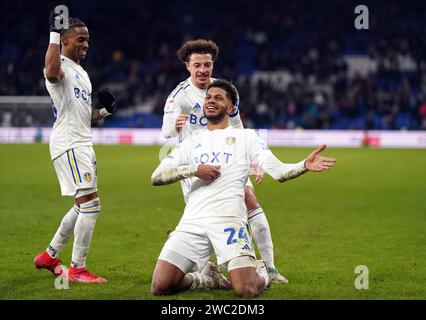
{"points": [[71, 146], [217, 162], [183, 116]]}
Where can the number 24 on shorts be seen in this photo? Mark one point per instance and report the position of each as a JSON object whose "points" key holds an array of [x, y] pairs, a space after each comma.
{"points": [[242, 234]]}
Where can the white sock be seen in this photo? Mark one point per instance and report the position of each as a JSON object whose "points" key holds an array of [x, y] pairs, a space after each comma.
{"points": [[262, 235], [83, 231], [64, 232]]}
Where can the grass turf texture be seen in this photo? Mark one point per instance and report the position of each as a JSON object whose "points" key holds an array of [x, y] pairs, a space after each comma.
{"points": [[370, 210]]}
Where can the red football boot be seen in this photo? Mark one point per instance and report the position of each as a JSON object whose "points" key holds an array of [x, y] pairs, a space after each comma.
{"points": [[83, 276], [44, 261]]}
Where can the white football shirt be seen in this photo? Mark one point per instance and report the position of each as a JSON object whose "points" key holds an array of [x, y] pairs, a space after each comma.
{"points": [[234, 150], [187, 99], [72, 108]]}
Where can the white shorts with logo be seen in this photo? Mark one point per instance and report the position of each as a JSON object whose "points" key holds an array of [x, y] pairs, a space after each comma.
{"points": [[76, 170], [197, 239]]}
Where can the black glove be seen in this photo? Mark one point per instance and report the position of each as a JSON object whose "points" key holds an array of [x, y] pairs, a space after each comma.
{"points": [[106, 100], [52, 19]]}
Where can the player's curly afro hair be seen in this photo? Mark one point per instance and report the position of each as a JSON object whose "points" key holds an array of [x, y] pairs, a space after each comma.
{"points": [[231, 90], [200, 46], [73, 23]]}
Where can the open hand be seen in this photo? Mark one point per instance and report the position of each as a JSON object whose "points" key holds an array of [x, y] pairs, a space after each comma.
{"points": [[317, 163]]}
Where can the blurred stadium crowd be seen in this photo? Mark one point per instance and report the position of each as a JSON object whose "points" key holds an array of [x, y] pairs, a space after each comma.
{"points": [[295, 63]]}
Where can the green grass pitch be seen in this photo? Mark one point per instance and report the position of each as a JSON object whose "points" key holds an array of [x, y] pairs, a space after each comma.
{"points": [[369, 210]]}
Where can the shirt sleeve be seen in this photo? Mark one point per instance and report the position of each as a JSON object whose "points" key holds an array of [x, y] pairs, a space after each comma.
{"points": [[180, 155], [54, 84], [172, 110], [263, 157], [176, 166]]}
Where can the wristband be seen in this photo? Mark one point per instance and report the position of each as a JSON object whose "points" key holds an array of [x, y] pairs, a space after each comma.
{"points": [[104, 112], [55, 38]]}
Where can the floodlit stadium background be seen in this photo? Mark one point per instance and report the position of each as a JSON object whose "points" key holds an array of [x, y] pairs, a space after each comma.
{"points": [[297, 65], [306, 76]]}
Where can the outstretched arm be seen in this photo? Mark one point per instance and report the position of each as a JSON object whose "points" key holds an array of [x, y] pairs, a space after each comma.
{"points": [[284, 172]]}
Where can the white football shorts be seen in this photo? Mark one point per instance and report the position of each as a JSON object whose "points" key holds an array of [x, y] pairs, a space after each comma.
{"points": [[197, 239], [76, 170]]}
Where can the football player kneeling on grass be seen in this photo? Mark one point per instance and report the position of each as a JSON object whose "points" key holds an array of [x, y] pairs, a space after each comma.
{"points": [[218, 162]]}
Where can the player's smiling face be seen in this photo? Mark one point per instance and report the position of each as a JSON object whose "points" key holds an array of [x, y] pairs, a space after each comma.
{"points": [[76, 43], [200, 66], [216, 104]]}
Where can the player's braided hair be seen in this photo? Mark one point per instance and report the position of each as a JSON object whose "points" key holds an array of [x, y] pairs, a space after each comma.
{"points": [[73, 23], [231, 90], [200, 46]]}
